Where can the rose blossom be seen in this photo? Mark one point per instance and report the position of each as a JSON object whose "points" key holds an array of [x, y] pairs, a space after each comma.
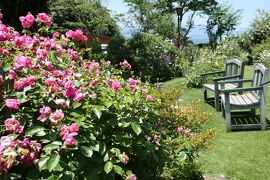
{"points": [[79, 96], [149, 98], [13, 104], [179, 130], [67, 134], [13, 126], [22, 62], [126, 64], [43, 17], [12, 74], [56, 117], [41, 53], [27, 21]]}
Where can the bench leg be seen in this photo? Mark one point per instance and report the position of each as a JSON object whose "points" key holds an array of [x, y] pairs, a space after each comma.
{"points": [[222, 110], [227, 108], [217, 104], [263, 117], [253, 112], [204, 94]]}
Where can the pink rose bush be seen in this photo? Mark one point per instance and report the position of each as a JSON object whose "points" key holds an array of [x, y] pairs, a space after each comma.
{"points": [[60, 110]]}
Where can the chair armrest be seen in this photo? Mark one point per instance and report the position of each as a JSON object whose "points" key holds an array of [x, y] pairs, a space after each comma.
{"points": [[226, 77], [235, 81], [211, 73], [227, 91], [264, 83]]}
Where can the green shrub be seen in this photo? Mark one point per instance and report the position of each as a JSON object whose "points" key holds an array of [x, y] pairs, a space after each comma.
{"points": [[182, 135], [230, 48], [258, 49], [207, 61], [265, 58], [258, 32], [152, 57]]}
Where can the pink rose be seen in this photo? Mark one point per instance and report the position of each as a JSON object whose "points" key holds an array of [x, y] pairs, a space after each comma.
{"points": [[79, 96], [73, 127], [67, 134], [44, 18], [56, 117], [13, 126], [13, 104], [149, 98], [179, 130], [61, 102], [126, 64], [114, 84], [22, 62], [12, 74], [41, 53], [70, 141], [27, 21]]}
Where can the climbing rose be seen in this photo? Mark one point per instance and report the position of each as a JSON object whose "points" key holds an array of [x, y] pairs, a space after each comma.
{"points": [[13, 103], [27, 21], [13, 126], [45, 112], [44, 18]]}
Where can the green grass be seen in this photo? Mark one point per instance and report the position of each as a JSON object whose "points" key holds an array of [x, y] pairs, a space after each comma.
{"points": [[236, 155]]}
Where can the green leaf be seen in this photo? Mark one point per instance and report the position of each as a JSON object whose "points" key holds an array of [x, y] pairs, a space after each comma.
{"points": [[41, 133], [68, 175], [97, 113], [52, 162], [102, 148], [33, 130], [136, 128], [50, 147], [86, 151], [76, 104], [42, 162], [182, 156], [119, 170], [108, 167], [53, 177]]}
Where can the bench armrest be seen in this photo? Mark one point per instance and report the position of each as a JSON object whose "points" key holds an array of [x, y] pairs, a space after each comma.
{"points": [[235, 81], [227, 91], [226, 77], [211, 73]]}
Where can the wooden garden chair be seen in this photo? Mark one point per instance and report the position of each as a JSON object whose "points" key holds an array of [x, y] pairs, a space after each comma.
{"points": [[246, 98], [234, 69]]}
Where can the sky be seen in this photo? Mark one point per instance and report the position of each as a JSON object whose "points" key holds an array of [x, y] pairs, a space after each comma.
{"points": [[248, 8]]}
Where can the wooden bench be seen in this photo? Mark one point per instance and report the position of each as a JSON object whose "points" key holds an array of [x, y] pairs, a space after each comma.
{"points": [[234, 69], [246, 98]]}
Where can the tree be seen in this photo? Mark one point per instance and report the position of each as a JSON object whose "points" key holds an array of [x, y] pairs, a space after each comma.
{"points": [[149, 18], [90, 16], [221, 21], [13, 9], [185, 8]]}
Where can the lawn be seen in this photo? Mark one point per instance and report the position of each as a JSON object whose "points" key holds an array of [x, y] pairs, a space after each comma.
{"points": [[236, 155]]}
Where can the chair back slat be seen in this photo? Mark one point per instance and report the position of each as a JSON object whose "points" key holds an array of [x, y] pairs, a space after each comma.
{"points": [[234, 67], [260, 76]]}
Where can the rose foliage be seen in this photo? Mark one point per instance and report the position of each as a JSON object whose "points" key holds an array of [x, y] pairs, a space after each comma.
{"points": [[66, 117]]}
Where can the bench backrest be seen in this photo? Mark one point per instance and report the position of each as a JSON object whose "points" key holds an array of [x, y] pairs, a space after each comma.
{"points": [[234, 67], [260, 75]]}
